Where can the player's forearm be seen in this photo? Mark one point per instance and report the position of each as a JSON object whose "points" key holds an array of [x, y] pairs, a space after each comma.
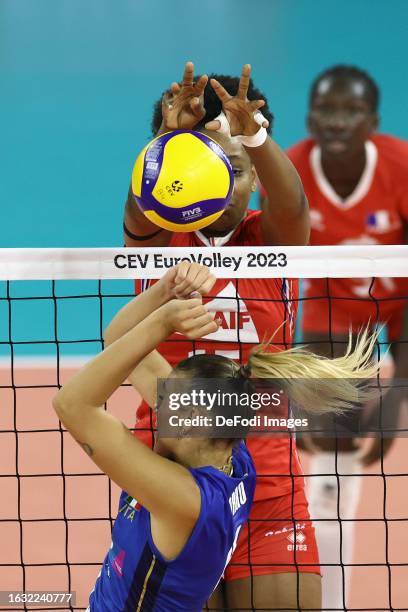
{"points": [[134, 219], [138, 230], [134, 312], [92, 386], [286, 204], [278, 176]]}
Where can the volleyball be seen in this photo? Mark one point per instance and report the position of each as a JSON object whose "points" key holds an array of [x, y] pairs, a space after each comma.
{"points": [[182, 181]]}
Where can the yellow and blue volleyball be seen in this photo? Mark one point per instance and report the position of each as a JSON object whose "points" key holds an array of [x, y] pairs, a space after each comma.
{"points": [[182, 181]]}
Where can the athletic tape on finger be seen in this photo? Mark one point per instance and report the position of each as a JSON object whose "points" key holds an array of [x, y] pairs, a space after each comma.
{"points": [[259, 118], [224, 124]]}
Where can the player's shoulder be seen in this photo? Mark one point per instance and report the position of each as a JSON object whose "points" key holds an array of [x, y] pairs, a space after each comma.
{"points": [[300, 151], [251, 217], [391, 150], [251, 220]]}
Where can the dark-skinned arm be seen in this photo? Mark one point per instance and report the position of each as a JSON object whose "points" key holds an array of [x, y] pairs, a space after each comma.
{"points": [[285, 212], [138, 230], [285, 218], [182, 108]]}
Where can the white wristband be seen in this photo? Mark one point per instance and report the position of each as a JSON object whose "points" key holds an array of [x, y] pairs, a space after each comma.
{"points": [[256, 140]]}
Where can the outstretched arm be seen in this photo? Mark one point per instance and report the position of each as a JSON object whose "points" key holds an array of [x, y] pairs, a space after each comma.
{"points": [[160, 485], [179, 282], [182, 108], [285, 212], [285, 218]]}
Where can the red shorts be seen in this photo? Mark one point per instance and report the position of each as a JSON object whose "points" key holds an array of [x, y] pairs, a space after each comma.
{"points": [[281, 539]]}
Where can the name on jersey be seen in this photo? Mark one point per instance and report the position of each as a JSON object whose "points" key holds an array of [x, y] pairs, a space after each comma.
{"points": [[216, 259], [238, 498]]}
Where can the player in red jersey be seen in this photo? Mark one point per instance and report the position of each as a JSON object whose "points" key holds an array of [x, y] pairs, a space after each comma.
{"points": [[356, 182], [260, 574]]}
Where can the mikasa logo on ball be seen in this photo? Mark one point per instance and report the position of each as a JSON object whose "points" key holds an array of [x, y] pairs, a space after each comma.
{"points": [[175, 187]]}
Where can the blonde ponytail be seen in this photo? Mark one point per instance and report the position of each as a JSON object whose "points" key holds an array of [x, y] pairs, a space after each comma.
{"points": [[318, 384]]}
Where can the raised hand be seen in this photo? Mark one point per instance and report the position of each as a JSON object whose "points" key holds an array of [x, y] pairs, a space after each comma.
{"points": [[240, 112], [183, 105], [188, 317], [186, 278]]}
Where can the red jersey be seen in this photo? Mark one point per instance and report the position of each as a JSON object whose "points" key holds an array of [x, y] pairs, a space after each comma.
{"points": [[251, 310], [375, 213]]}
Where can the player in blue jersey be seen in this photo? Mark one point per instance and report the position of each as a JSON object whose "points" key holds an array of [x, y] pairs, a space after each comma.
{"points": [[184, 503]]}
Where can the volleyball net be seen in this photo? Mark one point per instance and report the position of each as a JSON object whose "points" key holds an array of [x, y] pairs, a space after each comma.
{"points": [[57, 509]]}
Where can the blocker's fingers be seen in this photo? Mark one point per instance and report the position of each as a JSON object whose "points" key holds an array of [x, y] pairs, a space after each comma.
{"points": [[201, 84], [167, 99], [188, 76], [213, 125], [257, 104], [222, 93], [244, 82], [175, 88], [196, 106]]}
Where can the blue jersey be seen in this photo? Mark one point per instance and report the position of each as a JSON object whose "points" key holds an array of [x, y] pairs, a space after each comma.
{"points": [[135, 577]]}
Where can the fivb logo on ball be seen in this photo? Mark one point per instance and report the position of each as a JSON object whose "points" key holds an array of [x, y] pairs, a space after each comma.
{"points": [[182, 181]]}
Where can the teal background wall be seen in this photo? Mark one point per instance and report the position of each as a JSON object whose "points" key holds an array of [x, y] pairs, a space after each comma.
{"points": [[79, 77]]}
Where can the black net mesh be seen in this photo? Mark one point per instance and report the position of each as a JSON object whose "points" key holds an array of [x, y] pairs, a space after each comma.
{"points": [[58, 510]]}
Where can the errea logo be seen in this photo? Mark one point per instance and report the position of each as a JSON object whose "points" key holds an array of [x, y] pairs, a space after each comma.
{"points": [[297, 541], [294, 534], [299, 537]]}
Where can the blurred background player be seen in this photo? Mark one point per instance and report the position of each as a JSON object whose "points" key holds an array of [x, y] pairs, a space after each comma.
{"points": [[356, 182], [263, 571]]}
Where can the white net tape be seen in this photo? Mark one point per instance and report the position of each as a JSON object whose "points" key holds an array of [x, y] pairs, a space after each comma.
{"points": [[226, 262]]}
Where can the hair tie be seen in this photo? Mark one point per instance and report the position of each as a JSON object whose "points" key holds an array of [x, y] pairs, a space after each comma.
{"points": [[245, 371]]}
